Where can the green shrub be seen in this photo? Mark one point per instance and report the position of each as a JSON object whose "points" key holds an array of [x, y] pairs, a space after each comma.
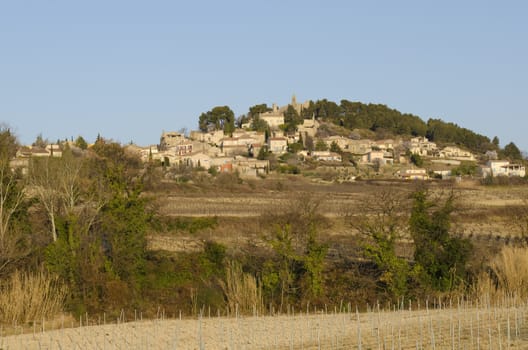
{"points": [[440, 259], [288, 169]]}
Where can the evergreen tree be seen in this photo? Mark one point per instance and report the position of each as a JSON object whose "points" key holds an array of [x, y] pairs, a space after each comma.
{"points": [[292, 119], [81, 143], [511, 151], [440, 258], [334, 147], [220, 117]]}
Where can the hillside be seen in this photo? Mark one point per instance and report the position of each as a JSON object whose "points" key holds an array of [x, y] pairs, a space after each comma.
{"points": [[386, 122]]}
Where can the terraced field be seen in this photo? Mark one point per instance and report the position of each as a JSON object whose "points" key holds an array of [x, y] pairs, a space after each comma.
{"points": [[484, 213]]}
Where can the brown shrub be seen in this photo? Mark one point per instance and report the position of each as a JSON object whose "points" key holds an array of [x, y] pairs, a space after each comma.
{"points": [[242, 290], [30, 296], [508, 277]]}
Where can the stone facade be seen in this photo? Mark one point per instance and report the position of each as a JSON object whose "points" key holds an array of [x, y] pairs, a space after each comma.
{"points": [[277, 145]]}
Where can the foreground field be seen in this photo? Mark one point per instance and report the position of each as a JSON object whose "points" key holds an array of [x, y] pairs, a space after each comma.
{"points": [[461, 326]]}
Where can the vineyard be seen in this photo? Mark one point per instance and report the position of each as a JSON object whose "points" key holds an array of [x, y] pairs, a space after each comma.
{"points": [[449, 324]]}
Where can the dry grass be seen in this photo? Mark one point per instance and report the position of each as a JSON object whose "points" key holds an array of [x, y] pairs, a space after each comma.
{"points": [[244, 294], [509, 275], [28, 296]]}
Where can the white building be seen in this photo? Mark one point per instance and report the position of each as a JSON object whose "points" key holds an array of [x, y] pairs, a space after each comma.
{"points": [[502, 168], [413, 174], [326, 156]]}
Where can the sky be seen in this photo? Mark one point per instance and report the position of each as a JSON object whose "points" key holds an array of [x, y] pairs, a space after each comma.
{"points": [[129, 70]]}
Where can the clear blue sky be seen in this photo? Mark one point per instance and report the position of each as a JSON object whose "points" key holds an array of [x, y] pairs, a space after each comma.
{"points": [[131, 69]]}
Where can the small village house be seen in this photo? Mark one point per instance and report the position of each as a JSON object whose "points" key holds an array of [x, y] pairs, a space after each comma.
{"points": [[502, 168], [413, 174], [327, 156], [277, 145], [453, 152]]}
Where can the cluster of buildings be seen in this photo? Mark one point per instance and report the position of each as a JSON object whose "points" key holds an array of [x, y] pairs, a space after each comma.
{"points": [[238, 151], [25, 153], [226, 153]]}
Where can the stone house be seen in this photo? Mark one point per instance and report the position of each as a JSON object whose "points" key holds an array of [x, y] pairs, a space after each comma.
{"points": [[23, 152], [420, 146], [168, 158], [326, 156], [250, 167], [292, 138], [171, 139], [199, 160], [349, 145], [243, 144], [212, 137], [54, 150], [277, 145], [341, 141], [358, 146], [379, 156], [183, 149], [31, 151], [247, 140], [275, 117], [443, 174], [308, 128], [175, 143], [148, 153], [456, 153], [384, 145], [249, 135], [413, 174]]}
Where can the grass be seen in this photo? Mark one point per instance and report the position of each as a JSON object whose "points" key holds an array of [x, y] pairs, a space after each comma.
{"points": [[26, 297], [243, 293], [508, 275]]}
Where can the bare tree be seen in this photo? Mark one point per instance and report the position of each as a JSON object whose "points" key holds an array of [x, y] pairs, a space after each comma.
{"points": [[69, 180], [12, 197], [43, 175], [64, 186]]}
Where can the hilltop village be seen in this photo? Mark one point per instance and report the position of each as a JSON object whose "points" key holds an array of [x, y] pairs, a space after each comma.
{"points": [[310, 203], [311, 144]]}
